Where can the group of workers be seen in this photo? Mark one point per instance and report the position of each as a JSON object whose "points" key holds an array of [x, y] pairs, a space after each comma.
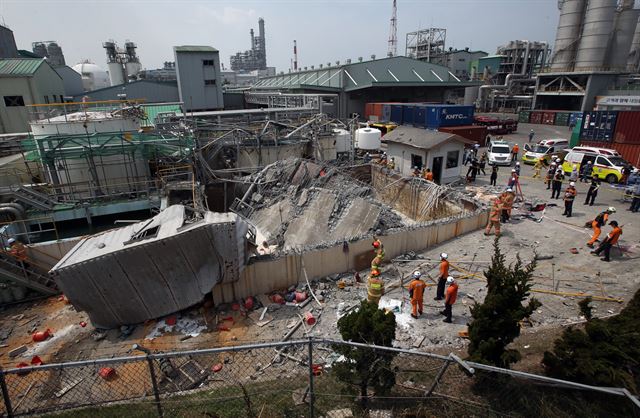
{"points": [[424, 173]]}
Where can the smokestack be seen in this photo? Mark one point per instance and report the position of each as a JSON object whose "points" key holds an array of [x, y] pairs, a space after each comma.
{"points": [[261, 33], [295, 55], [253, 41]]}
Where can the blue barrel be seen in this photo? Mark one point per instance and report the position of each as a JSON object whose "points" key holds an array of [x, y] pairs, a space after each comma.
{"points": [[449, 115], [408, 114], [396, 113], [420, 116], [386, 112]]}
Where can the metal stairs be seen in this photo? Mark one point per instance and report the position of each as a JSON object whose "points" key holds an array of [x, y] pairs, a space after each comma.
{"points": [[33, 198], [12, 270]]}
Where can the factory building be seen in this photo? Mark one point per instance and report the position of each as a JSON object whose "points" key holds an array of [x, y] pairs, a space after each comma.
{"points": [[151, 91], [597, 46], [199, 79], [394, 79], [25, 81], [256, 57], [459, 61]]}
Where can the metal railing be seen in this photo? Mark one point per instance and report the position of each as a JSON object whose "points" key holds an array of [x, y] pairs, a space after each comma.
{"points": [[294, 378]]}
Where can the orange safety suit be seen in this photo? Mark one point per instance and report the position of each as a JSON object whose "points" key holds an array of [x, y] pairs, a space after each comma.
{"points": [[444, 268], [494, 218], [416, 291], [613, 236], [428, 176], [507, 199], [452, 294], [597, 228]]}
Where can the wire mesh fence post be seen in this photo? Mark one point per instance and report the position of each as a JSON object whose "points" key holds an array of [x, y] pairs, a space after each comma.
{"points": [[312, 397], [5, 394], [154, 383], [436, 380]]}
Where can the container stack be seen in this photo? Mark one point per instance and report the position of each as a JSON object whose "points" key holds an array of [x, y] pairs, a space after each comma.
{"points": [[618, 130], [548, 117]]}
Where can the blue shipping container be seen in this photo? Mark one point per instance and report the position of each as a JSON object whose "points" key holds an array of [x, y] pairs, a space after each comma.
{"points": [[598, 126], [386, 112], [420, 116], [448, 115], [573, 117], [396, 113], [407, 114]]}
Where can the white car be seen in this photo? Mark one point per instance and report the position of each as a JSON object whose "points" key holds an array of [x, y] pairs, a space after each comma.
{"points": [[499, 153]]}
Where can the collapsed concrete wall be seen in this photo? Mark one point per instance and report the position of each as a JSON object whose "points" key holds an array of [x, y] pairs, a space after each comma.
{"points": [[266, 275]]}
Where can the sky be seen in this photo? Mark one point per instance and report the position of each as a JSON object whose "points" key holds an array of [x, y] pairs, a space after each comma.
{"points": [[326, 31]]}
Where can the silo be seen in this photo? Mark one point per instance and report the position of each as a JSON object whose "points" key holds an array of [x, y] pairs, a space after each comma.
{"points": [[40, 49], [626, 22], [596, 34], [471, 95], [634, 51], [567, 34]]}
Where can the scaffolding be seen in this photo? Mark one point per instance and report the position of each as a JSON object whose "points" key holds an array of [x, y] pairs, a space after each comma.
{"points": [[426, 44]]}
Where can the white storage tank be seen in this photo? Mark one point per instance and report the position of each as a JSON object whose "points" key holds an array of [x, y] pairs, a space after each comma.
{"points": [[343, 140], [368, 138]]}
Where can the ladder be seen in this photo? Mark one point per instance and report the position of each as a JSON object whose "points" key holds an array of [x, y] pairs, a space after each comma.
{"points": [[33, 198]]}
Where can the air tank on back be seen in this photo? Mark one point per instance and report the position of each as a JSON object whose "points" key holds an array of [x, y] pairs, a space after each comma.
{"points": [[368, 138], [626, 21], [571, 14], [596, 33]]}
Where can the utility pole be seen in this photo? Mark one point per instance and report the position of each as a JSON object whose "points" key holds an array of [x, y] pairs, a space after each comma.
{"points": [[393, 32]]}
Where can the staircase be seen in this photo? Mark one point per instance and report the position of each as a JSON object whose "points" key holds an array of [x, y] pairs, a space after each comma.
{"points": [[32, 278], [32, 198]]}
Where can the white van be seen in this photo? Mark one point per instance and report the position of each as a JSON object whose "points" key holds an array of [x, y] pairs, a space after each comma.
{"points": [[499, 153], [544, 149]]}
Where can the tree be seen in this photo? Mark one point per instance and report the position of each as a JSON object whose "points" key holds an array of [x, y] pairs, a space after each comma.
{"points": [[496, 321], [606, 353], [367, 367]]}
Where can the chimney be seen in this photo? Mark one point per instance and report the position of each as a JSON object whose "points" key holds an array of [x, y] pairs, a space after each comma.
{"points": [[373, 57]]}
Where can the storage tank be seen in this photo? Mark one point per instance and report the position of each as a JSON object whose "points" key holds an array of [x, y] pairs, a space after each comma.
{"points": [[471, 95], [368, 138], [343, 140], [116, 73], [132, 69], [634, 52], [40, 49], [55, 55], [596, 34], [626, 22], [567, 34], [93, 77]]}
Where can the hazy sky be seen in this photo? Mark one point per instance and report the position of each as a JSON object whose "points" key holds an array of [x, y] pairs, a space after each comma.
{"points": [[326, 30]]}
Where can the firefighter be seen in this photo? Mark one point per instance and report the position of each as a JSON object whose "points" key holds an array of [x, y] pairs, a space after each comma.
{"points": [[375, 286], [416, 293], [537, 167], [18, 251], [494, 175], [569, 197], [514, 151], [593, 190], [598, 223], [517, 168], [550, 173], [494, 217], [415, 172], [452, 294], [367, 158], [428, 175], [507, 199], [378, 248], [609, 241], [444, 272], [513, 181]]}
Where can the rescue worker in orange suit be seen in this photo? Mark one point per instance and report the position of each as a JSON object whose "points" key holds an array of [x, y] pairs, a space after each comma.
{"points": [[599, 222], [444, 272], [494, 217], [416, 293], [507, 199], [452, 295], [428, 175], [609, 241], [379, 253], [514, 151], [18, 251], [569, 196]]}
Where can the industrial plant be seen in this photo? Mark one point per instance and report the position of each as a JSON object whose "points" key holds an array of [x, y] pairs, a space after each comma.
{"points": [[219, 240]]}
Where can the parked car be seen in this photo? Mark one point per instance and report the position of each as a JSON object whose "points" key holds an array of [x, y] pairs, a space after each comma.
{"points": [[545, 149], [607, 163], [499, 153]]}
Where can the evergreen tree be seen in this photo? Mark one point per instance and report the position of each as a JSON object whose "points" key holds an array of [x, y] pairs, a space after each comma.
{"points": [[496, 321], [606, 353], [366, 367]]}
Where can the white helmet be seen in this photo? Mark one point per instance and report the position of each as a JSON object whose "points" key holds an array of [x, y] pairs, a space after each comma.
{"points": [[513, 170], [11, 241], [517, 162], [611, 209], [450, 280], [557, 160], [416, 274], [573, 183], [444, 256]]}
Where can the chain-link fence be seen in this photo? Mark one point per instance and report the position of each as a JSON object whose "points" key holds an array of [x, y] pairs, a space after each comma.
{"points": [[305, 378]]}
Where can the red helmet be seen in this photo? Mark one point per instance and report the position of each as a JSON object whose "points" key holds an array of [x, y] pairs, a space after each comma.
{"points": [[375, 272], [375, 244]]}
